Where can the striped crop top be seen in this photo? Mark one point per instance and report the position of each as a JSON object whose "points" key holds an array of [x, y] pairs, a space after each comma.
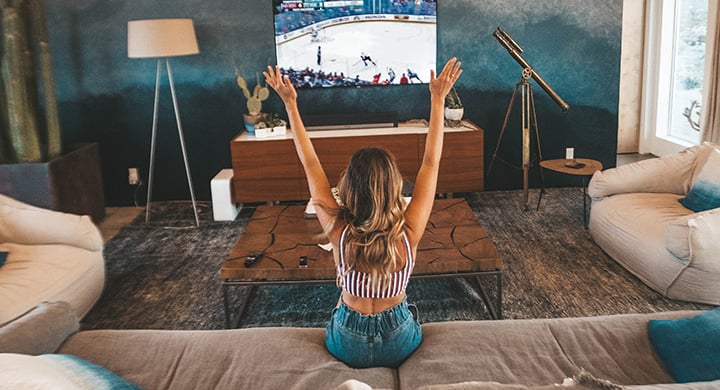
{"points": [[358, 283]]}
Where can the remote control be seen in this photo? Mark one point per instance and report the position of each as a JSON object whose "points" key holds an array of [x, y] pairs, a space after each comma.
{"points": [[574, 164], [252, 259]]}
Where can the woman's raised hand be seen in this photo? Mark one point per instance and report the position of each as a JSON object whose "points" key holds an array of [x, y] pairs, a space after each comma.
{"points": [[441, 85], [282, 85]]}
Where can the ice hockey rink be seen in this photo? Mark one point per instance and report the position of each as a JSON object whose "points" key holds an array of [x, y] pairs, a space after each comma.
{"points": [[400, 45]]}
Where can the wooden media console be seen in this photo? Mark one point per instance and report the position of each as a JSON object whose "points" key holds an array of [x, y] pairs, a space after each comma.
{"points": [[267, 169]]}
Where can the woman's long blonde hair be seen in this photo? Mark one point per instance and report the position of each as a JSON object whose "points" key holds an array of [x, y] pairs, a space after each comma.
{"points": [[373, 208]]}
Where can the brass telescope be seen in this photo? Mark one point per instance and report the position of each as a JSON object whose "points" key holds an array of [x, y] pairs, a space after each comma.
{"points": [[514, 50], [529, 117]]}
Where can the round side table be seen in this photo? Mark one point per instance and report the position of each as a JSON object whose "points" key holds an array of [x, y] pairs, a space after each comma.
{"points": [[558, 165]]}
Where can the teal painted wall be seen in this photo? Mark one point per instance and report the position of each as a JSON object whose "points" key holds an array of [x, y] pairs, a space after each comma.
{"points": [[107, 98]]}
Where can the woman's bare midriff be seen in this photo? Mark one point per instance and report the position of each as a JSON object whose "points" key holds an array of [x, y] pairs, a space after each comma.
{"points": [[370, 305]]}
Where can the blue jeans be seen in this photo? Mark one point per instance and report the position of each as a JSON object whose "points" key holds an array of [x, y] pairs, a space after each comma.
{"points": [[384, 339]]}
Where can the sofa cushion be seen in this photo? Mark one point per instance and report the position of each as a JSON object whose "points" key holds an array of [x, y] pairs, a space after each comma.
{"points": [[39, 331], [712, 385], [631, 227], [695, 236], [56, 372], [582, 381], [37, 273], [705, 191], [689, 347], [474, 385], [536, 352], [25, 224], [253, 358], [668, 174], [520, 351], [703, 154]]}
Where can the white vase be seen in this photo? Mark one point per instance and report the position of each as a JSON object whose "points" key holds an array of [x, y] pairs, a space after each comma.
{"points": [[454, 114]]}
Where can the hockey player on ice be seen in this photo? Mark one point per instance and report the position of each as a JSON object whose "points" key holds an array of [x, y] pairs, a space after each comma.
{"points": [[391, 75], [365, 58], [314, 34], [412, 76]]}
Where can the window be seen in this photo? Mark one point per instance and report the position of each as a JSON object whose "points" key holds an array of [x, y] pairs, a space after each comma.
{"points": [[687, 70], [674, 64]]}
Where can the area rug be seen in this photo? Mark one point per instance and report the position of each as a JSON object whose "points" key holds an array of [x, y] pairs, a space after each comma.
{"points": [[164, 274]]}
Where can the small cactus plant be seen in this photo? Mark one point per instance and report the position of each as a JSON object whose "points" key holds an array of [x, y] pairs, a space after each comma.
{"points": [[254, 100]]}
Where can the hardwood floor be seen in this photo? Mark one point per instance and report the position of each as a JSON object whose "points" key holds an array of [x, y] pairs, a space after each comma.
{"points": [[116, 218], [626, 158]]}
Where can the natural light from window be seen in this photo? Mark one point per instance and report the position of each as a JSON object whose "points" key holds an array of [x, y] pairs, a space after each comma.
{"points": [[687, 70]]}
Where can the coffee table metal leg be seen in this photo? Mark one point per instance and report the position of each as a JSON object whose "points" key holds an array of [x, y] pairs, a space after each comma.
{"points": [[232, 323], [496, 309], [226, 305], [499, 296], [585, 213]]}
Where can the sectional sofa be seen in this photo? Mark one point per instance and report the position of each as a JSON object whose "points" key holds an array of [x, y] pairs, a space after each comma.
{"points": [[42, 345], [505, 354]]}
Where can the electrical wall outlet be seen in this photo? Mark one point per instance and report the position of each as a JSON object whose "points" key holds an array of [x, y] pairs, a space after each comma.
{"points": [[133, 178]]}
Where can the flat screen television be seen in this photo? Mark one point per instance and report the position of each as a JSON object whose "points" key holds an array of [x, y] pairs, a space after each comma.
{"points": [[355, 43]]}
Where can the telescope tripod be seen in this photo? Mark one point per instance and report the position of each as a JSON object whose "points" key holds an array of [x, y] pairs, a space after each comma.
{"points": [[529, 119]]}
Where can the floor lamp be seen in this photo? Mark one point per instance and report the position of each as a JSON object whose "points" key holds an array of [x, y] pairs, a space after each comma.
{"points": [[162, 39]]}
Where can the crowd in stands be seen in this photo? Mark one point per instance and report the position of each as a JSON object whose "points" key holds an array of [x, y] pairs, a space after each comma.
{"points": [[310, 78], [287, 20]]}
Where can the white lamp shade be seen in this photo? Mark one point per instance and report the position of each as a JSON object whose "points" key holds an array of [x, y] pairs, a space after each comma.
{"points": [[154, 38]]}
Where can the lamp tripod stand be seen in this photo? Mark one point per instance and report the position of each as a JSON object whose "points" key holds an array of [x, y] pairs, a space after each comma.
{"points": [[151, 172], [161, 39], [529, 119]]}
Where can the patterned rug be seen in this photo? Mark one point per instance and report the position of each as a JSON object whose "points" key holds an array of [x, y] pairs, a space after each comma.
{"points": [[164, 274]]}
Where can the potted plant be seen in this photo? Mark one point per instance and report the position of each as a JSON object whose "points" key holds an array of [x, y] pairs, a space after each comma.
{"points": [[277, 124], [254, 101], [270, 125], [453, 106], [35, 166]]}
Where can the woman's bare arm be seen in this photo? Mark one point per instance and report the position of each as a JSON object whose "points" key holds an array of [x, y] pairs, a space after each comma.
{"points": [[418, 211], [316, 177]]}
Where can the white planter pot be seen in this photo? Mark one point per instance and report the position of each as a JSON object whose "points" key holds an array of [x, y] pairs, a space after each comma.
{"points": [[270, 131], [454, 114]]}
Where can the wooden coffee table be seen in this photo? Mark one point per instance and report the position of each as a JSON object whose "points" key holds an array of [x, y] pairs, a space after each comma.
{"points": [[454, 245]]}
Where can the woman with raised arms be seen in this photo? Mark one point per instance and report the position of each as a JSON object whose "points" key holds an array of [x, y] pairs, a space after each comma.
{"points": [[374, 233]]}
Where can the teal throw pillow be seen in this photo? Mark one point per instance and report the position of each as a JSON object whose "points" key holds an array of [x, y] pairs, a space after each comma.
{"points": [[705, 191], [3, 257], [689, 347]]}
